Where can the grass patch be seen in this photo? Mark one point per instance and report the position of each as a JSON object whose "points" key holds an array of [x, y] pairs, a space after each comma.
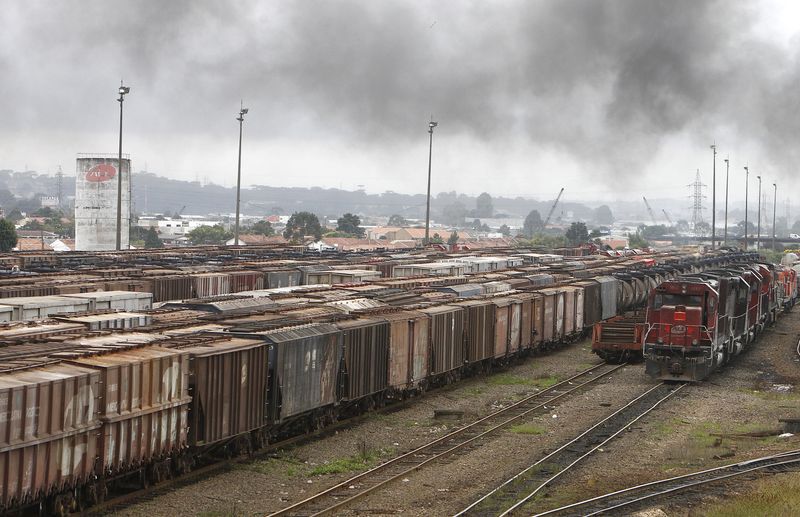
{"points": [[507, 379], [545, 382], [363, 460], [778, 495], [475, 390], [527, 429]]}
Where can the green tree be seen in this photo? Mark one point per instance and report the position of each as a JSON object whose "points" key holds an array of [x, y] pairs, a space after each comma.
{"points": [[635, 240], [436, 238], [8, 235], [397, 220], [505, 230], [301, 224], [262, 228], [453, 239], [603, 215], [533, 223], [577, 234], [14, 216], [151, 239], [209, 235], [483, 206], [350, 224], [654, 232]]}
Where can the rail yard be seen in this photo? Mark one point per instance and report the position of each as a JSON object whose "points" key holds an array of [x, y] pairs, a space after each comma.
{"points": [[468, 377]]}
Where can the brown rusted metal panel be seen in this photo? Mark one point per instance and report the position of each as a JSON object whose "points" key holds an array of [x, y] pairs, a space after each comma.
{"points": [[537, 315], [479, 329], [48, 430], [143, 404], [365, 365], [569, 310], [228, 385], [446, 338], [408, 348], [501, 322]]}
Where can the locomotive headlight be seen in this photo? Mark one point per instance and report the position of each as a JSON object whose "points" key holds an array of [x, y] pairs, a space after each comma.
{"points": [[695, 342], [660, 340]]}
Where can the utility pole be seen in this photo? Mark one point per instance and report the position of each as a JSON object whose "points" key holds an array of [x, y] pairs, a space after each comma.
{"points": [[746, 185], [714, 197], [774, 205], [431, 125], [123, 90], [727, 170], [240, 118], [758, 235]]}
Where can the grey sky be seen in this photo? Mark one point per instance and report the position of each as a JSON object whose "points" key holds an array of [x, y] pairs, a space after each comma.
{"points": [[607, 98]]}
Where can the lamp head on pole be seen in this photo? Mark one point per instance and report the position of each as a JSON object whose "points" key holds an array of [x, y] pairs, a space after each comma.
{"points": [[714, 148], [123, 90], [432, 125], [242, 112]]}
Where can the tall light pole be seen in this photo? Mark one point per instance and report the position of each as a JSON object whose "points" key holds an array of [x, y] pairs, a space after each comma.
{"points": [[431, 125], [746, 185], [123, 90], [727, 170], [758, 235], [714, 197], [774, 204], [240, 118]]}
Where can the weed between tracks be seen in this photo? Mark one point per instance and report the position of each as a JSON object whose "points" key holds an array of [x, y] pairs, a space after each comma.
{"points": [[361, 461], [777, 495], [709, 441], [527, 429], [507, 379]]}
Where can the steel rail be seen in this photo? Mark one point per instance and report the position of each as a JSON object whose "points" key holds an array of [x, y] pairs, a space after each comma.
{"points": [[587, 434], [685, 481], [439, 448]]}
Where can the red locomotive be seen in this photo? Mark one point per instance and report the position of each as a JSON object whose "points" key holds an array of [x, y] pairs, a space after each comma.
{"points": [[696, 323]]}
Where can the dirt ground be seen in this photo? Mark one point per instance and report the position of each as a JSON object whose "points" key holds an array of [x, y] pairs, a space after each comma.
{"points": [[693, 431]]}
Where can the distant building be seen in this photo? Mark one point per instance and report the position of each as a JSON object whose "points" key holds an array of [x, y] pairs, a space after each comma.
{"points": [[96, 187]]}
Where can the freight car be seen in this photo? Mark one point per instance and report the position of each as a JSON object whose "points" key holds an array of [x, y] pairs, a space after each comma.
{"points": [[255, 378], [697, 323]]}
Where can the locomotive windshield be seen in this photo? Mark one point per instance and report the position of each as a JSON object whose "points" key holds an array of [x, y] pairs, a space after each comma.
{"points": [[689, 300]]}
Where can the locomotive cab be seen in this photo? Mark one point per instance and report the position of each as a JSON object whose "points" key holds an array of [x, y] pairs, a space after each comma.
{"points": [[681, 338]]}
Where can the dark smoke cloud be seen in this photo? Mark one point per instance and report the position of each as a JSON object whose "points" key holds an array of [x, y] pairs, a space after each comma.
{"points": [[602, 80]]}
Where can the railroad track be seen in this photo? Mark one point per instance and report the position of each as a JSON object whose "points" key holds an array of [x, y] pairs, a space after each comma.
{"points": [[625, 500], [462, 439], [516, 493]]}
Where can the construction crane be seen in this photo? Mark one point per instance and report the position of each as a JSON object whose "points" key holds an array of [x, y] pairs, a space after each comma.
{"points": [[552, 209], [669, 219], [650, 210]]}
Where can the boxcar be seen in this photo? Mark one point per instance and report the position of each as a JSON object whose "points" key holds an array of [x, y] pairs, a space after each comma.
{"points": [[446, 338], [303, 368], [143, 404], [365, 358], [478, 329], [48, 431], [228, 385], [408, 348]]}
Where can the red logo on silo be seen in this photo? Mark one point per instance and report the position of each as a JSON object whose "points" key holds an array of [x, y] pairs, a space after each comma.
{"points": [[101, 172]]}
